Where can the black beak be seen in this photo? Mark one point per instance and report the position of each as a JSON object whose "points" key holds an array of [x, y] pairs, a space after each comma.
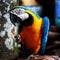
{"points": [[20, 27], [16, 20]]}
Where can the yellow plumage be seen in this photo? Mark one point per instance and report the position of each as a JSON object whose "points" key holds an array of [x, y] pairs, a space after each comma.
{"points": [[31, 35]]}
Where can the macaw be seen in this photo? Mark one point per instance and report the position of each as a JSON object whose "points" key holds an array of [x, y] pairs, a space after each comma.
{"points": [[32, 28]]}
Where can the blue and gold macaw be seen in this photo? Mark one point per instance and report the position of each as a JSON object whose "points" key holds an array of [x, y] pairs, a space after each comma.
{"points": [[32, 28]]}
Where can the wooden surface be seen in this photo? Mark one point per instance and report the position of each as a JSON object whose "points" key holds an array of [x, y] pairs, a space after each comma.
{"points": [[43, 57]]}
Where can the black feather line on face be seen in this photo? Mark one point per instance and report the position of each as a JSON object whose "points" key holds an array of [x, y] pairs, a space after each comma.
{"points": [[28, 21]]}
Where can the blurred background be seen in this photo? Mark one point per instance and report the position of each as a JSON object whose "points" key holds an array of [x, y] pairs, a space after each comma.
{"points": [[50, 8]]}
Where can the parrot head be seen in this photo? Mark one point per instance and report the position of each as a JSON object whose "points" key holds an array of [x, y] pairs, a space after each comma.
{"points": [[20, 17]]}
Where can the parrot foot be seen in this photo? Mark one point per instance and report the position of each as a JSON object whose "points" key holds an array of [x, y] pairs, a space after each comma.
{"points": [[32, 56]]}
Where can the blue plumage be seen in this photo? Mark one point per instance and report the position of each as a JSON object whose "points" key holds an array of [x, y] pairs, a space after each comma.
{"points": [[45, 31]]}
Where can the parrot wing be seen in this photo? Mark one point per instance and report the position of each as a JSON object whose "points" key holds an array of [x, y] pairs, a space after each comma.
{"points": [[45, 31]]}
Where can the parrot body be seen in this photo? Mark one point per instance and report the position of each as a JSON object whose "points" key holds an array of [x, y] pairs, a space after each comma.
{"points": [[34, 32], [31, 35]]}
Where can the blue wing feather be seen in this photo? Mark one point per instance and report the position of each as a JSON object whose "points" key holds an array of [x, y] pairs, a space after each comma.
{"points": [[45, 31]]}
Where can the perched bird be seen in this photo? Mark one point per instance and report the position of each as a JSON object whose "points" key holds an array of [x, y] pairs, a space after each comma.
{"points": [[32, 28]]}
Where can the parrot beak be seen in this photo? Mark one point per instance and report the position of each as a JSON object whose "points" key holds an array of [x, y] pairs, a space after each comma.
{"points": [[17, 22], [19, 28]]}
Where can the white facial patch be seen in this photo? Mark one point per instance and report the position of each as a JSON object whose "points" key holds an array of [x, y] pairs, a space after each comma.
{"points": [[20, 13], [24, 16]]}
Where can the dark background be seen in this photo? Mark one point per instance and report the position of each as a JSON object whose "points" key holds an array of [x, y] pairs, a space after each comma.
{"points": [[48, 9]]}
